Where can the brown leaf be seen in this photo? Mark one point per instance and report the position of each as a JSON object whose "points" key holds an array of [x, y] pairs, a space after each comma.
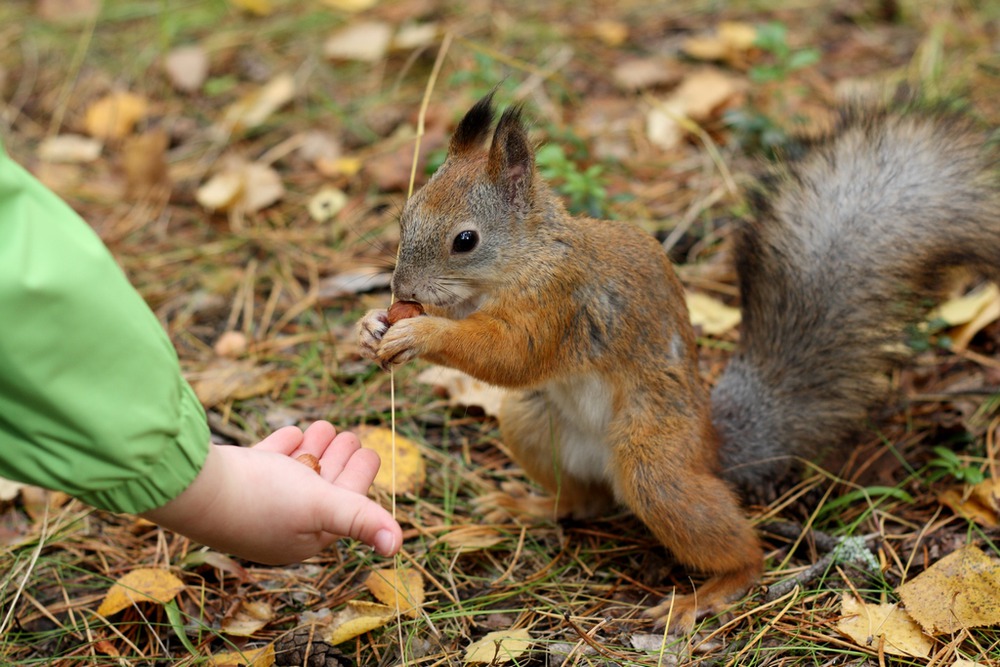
{"points": [[701, 95], [401, 588], [144, 584], [980, 504], [960, 591], [224, 380], [144, 160], [247, 619]]}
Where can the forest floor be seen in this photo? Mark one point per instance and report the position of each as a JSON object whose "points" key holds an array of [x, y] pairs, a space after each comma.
{"points": [[246, 162]]}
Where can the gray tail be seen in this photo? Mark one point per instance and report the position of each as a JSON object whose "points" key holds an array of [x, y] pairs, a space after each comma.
{"points": [[848, 245]]}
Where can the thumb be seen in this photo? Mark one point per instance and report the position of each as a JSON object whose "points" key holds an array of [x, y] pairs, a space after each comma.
{"points": [[359, 517]]}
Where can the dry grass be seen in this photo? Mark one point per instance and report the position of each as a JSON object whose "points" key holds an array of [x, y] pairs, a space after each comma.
{"points": [[580, 588]]}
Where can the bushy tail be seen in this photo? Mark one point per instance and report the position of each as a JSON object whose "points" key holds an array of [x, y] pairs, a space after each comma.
{"points": [[848, 244]]}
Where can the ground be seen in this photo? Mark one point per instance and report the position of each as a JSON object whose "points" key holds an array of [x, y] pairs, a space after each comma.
{"points": [[319, 130]]}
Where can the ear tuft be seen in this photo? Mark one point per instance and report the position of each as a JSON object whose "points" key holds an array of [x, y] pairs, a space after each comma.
{"points": [[511, 161], [474, 127]]}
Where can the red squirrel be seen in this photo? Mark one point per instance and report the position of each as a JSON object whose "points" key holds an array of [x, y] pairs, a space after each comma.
{"points": [[585, 320]]}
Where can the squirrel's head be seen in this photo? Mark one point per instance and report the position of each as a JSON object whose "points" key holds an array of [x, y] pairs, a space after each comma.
{"points": [[457, 232]]}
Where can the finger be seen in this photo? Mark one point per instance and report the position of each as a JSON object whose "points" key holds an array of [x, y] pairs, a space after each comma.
{"points": [[283, 441], [363, 519], [359, 471], [316, 439], [336, 456]]}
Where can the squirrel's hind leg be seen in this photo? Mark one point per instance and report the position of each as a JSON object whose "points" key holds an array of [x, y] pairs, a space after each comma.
{"points": [[532, 431]]}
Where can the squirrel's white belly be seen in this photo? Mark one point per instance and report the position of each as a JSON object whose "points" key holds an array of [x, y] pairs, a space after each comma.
{"points": [[584, 406]]}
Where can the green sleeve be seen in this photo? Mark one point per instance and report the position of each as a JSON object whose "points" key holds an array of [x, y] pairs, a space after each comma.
{"points": [[92, 400]]}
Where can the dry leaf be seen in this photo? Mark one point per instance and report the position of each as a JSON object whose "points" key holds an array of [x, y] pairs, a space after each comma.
{"points": [[71, 148], [729, 42], [231, 344], [410, 471], [612, 33], [258, 7], [247, 619], [326, 203], [464, 390], [711, 315], [867, 623], [398, 587], [960, 591], [9, 489], [145, 584], [342, 166], [969, 313], [186, 67], [367, 41], [68, 11], [356, 618], [224, 380], [241, 186], [639, 73], [350, 5], [115, 116], [257, 106], [465, 539], [215, 559], [415, 35], [258, 657], [499, 647], [980, 504], [699, 96], [144, 161]]}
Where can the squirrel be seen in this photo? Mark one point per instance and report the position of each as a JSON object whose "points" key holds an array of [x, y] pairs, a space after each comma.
{"points": [[585, 320]]}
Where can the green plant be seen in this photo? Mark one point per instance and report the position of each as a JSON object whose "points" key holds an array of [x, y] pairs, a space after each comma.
{"points": [[950, 463], [584, 190]]}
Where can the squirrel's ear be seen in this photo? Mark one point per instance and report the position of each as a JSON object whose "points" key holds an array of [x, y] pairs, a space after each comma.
{"points": [[512, 162], [474, 127]]}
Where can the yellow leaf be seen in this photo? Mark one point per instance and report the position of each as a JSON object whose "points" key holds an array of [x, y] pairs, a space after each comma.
{"points": [[960, 591], [410, 471], [258, 657], [248, 618], [326, 203], [499, 647], [969, 313], [612, 33], [867, 623], [114, 116], [258, 7], [713, 316], [357, 618], [403, 587], [350, 5], [981, 504], [146, 584]]}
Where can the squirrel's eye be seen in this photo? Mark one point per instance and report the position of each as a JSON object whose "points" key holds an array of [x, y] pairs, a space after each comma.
{"points": [[465, 241]]}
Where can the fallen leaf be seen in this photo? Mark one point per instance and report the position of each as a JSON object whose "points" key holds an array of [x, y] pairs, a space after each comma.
{"points": [[410, 472], [415, 35], [866, 623], [367, 41], [611, 33], [318, 145], [699, 96], [144, 160], [241, 186], [115, 116], [144, 584], [254, 108], [499, 647], [465, 539], [215, 559], [10, 489], [342, 166], [981, 504], [401, 588], [68, 11], [969, 314], [729, 42], [225, 380], [262, 187], [356, 618], [71, 148], [711, 315], [258, 657], [326, 203], [640, 73], [186, 67], [960, 591], [231, 344], [247, 619], [464, 390], [257, 7], [350, 5]]}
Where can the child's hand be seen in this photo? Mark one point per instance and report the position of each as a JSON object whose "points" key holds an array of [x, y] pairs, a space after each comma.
{"points": [[261, 504]]}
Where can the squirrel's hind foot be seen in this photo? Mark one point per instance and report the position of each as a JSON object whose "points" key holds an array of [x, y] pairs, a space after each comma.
{"points": [[680, 612]]}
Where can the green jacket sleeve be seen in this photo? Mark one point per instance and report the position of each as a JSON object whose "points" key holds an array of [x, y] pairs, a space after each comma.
{"points": [[92, 400]]}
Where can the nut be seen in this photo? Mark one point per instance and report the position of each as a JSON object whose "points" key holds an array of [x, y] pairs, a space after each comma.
{"points": [[309, 460], [402, 310]]}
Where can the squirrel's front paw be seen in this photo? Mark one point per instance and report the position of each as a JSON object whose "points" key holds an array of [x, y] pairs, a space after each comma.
{"points": [[401, 342], [371, 329]]}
